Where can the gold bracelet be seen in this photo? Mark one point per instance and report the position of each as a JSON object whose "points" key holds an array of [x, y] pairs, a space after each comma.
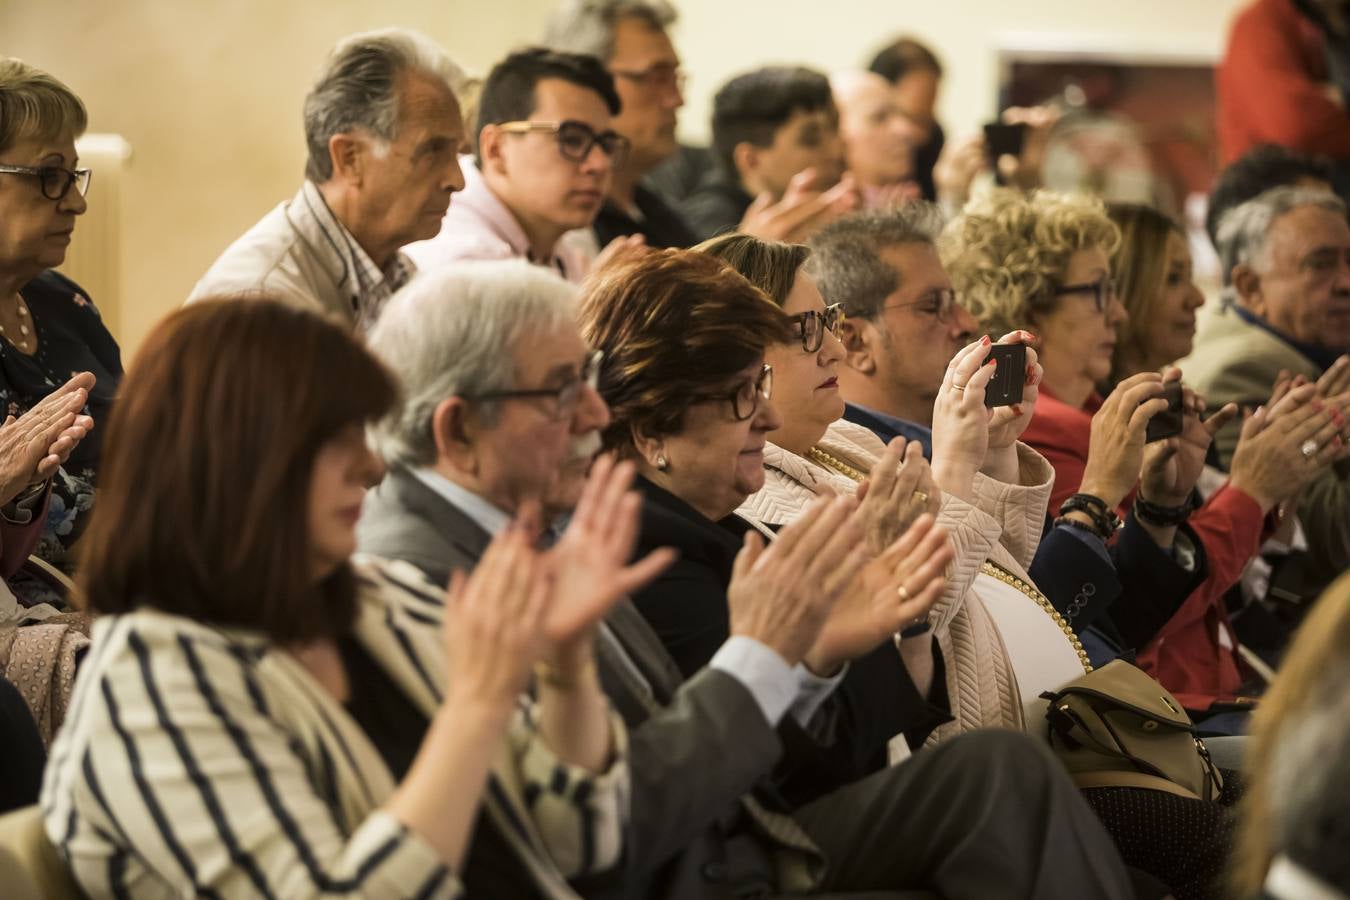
{"points": [[548, 675]]}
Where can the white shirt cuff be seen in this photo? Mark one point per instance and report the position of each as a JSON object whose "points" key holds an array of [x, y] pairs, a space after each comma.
{"points": [[769, 679], [812, 690]]}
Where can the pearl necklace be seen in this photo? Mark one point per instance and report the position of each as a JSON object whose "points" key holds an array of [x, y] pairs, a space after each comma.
{"points": [[836, 464], [22, 342]]}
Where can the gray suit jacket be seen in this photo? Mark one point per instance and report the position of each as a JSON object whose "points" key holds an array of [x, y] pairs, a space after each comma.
{"points": [[693, 748]]}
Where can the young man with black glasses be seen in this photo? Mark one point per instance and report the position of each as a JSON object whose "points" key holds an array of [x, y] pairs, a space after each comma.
{"points": [[546, 153]]}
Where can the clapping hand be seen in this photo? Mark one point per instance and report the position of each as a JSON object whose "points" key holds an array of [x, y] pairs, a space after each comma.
{"points": [[898, 490], [1285, 446], [37, 443], [802, 211]]}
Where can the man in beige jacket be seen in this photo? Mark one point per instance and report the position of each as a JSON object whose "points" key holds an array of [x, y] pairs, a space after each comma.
{"points": [[384, 131]]}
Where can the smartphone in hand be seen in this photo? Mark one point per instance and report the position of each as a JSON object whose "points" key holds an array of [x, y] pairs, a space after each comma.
{"points": [[1010, 376], [1167, 423]]}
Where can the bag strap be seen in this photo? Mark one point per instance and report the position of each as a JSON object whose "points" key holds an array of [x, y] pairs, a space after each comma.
{"points": [[1119, 778]]}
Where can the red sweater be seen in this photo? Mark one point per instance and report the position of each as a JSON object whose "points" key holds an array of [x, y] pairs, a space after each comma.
{"points": [[1272, 86], [1188, 656]]}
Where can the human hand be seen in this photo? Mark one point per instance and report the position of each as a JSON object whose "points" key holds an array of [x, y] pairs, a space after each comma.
{"points": [[495, 628], [589, 563], [957, 166], [1335, 381], [1006, 423], [1283, 448], [961, 420], [1173, 465], [1116, 446], [892, 591], [37, 443], [1024, 171], [782, 594], [897, 491], [802, 211], [891, 196], [618, 247]]}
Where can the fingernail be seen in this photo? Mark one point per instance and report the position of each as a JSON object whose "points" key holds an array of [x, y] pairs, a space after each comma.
{"points": [[985, 340], [1017, 409], [1029, 336], [1317, 404]]}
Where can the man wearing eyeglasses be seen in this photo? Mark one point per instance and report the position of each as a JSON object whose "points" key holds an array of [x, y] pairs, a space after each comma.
{"points": [[546, 153]]}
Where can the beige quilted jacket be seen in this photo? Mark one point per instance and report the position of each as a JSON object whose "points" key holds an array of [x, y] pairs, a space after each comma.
{"points": [[1003, 525]]}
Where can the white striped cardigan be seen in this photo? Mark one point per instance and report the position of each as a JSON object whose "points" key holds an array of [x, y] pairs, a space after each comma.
{"points": [[200, 761]]}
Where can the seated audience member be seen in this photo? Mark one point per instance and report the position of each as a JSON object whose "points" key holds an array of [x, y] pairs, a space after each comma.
{"points": [[693, 415], [879, 139], [902, 327], [1261, 168], [545, 156], [1296, 821], [769, 127], [630, 37], [49, 328], [262, 717], [1043, 262], [384, 134], [1288, 309], [1285, 79], [915, 75]]}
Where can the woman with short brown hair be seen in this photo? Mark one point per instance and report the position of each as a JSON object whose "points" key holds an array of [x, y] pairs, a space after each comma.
{"points": [[261, 717]]}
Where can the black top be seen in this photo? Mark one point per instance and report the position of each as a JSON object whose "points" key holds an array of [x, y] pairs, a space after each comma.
{"points": [[71, 338], [396, 727], [687, 608], [925, 158], [23, 753], [717, 205], [659, 224]]}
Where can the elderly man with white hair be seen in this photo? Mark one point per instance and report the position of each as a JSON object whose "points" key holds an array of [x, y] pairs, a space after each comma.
{"points": [[384, 131], [1286, 309]]}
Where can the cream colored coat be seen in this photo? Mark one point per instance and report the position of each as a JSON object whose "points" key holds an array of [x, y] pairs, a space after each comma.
{"points": [[1003, 525]]}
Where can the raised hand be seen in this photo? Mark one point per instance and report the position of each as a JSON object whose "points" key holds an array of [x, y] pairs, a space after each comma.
{"points": [[495, 627], [893, 590], [1284, 447], [1173, 465], [37, 443], [589, 564], [1116, 446], [898, 490], [1335, 381], [802, 211], [1006, 423], [781, 595], [961, 420]]}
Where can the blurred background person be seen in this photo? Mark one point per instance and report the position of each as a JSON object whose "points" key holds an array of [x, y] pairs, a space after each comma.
{"points": [[915, 74], [880, 139]]}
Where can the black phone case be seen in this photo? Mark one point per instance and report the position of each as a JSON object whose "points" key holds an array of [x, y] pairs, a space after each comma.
{"points": [[1010, 377], [1167, 423]]}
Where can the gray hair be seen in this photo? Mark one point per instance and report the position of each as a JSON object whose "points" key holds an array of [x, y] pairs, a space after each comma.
{"points": [[358, 88], [35, 106], [587, 26], [454, 332], [1244, 231], [846, 254]]}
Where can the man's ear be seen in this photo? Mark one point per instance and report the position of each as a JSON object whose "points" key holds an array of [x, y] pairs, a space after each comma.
{"points": [[746, 157], [1247, 285], [859, 337], [490, 144], [454, 429], [348, 152]]}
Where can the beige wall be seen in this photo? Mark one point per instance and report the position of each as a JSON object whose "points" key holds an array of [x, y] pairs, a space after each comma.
{"points": [[208, 92]]}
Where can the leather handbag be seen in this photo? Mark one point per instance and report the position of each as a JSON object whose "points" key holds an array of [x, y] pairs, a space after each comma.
{"points": [[1117, 727]]}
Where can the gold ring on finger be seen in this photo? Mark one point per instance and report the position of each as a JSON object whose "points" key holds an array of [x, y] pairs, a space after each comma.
{"points": [[959, 387], [903, 593], [920, 497]]}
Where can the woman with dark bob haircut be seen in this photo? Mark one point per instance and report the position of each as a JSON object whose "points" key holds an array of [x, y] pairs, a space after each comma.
{"points": [[261, 717], [684, 338]]}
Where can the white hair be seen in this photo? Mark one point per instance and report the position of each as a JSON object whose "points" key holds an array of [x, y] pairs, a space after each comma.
{"points": [[458, 331], [358, 88], [587, 26], [1243, 235]]}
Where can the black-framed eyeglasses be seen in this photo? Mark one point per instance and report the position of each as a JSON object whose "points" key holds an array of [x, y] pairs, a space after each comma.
{"points": [[1103, 291], [55, 181], [566, 397], [747, 395], [658, 76], [575, 139], [811, 326], [940, 302]]}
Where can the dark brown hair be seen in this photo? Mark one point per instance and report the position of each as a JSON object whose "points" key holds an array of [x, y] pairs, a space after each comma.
{"points": [[771, 266], [1140, 270], [672, 324], [204, 486]]}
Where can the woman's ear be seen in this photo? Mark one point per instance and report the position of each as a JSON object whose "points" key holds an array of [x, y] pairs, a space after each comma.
{"points": [[858, 337], [651, 450]]}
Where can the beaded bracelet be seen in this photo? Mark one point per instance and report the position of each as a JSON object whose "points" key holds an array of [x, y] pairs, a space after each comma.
{"points": [[1104, 518], [1166, 516]]}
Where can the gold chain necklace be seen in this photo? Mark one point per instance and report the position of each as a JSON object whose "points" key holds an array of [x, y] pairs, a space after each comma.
{"points": [[994, 570], [836, 464]]}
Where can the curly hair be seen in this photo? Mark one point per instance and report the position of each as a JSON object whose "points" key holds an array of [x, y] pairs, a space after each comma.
{"points": [[1007, 252]]}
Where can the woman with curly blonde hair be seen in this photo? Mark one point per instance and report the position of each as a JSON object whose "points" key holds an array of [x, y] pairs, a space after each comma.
{"points": [[1044, 263]]}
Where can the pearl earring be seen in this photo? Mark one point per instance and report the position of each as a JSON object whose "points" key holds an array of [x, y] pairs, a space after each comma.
{"points": [[661, 463]]}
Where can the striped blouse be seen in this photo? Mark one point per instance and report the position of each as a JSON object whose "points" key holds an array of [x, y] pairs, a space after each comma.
{"points": [[199, 761]]}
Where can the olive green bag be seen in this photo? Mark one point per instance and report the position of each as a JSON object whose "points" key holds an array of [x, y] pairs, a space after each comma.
{"points": [[1117, 727]]}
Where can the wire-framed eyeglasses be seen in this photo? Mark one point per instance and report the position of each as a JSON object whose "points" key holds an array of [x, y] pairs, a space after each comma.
{"points": [[564, 397]]}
